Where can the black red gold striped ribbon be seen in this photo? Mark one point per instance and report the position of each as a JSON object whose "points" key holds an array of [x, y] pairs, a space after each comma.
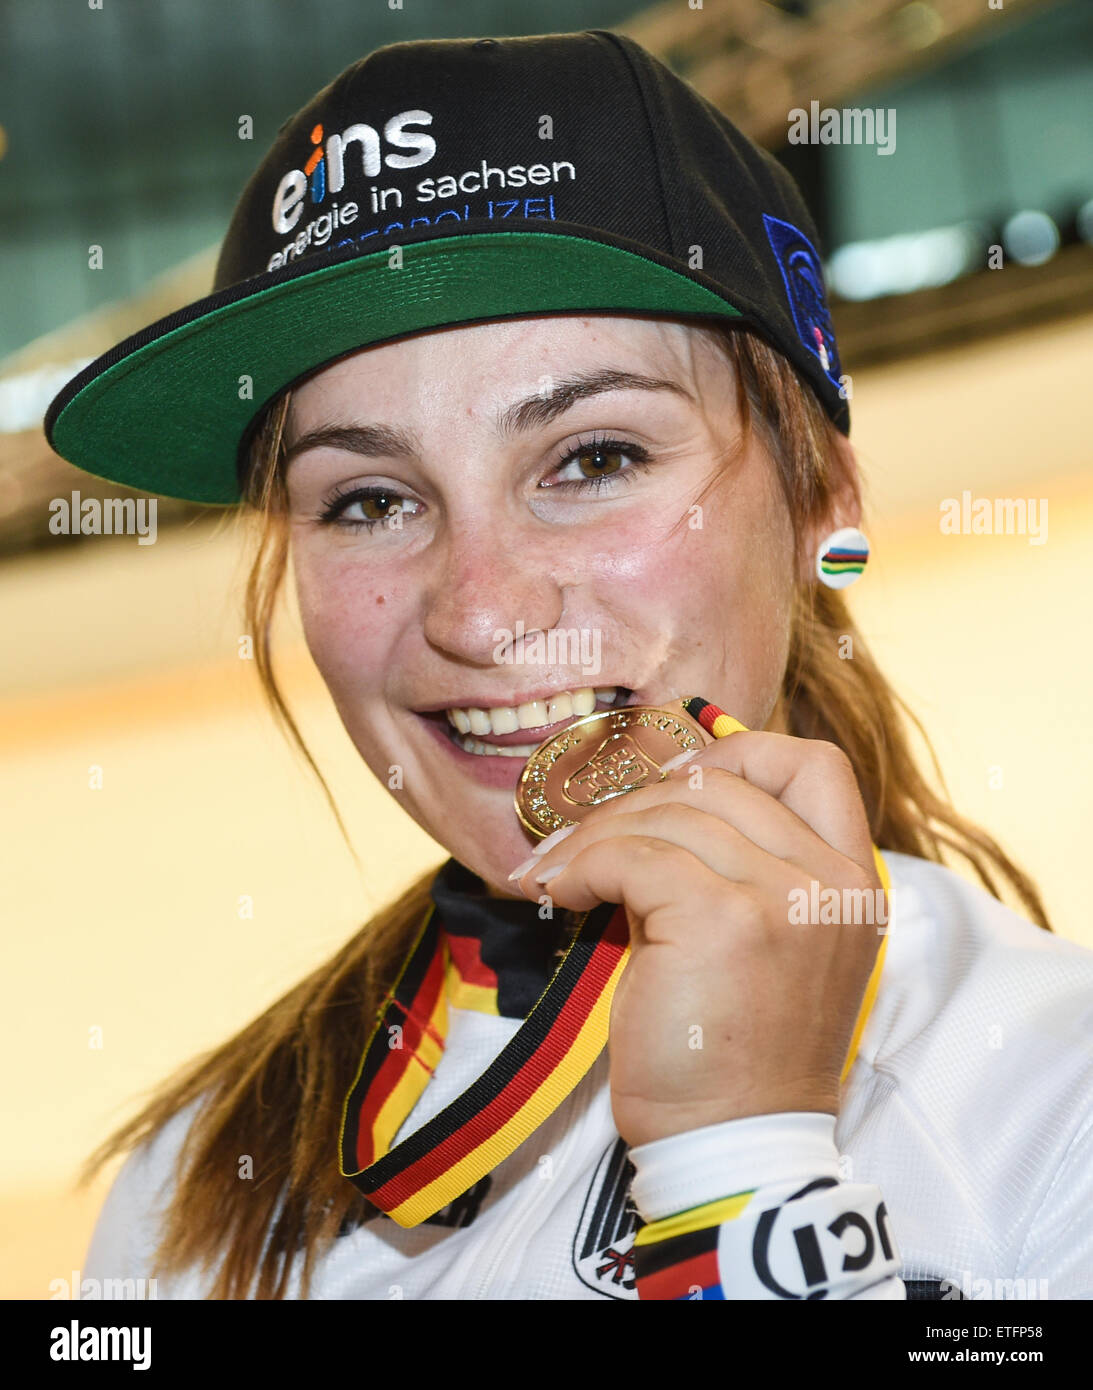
{"points": [[553, 1049], [715, 721], [557, 1043]]}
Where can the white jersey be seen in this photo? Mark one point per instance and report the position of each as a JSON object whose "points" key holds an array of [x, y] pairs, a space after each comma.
{"points": [[969, 1105]]}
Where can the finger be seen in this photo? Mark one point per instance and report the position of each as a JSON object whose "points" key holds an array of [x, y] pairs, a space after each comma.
{"points": [[812, 778], [734, 828], [645, 873], [730, 799], [641, 872]]}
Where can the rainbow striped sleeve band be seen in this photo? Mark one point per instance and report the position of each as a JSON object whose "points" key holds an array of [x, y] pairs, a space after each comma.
{"points": [[676, 1258], [787, 1240]]}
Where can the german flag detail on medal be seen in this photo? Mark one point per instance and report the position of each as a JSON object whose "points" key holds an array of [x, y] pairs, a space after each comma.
{"points": [[559, 1040]]}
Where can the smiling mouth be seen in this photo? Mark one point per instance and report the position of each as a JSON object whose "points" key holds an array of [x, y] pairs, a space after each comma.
{"points": [[504, 731]]}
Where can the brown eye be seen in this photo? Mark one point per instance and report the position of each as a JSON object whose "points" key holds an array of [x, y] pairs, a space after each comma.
{"points": [[367, 508], [376, 505], [599, 463]]}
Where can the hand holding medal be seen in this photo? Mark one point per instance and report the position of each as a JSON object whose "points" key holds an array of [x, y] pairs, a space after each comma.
{"points": [[727, 1007]]}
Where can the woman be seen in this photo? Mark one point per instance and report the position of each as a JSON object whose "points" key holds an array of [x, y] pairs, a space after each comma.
{"points": [[480, 397]]}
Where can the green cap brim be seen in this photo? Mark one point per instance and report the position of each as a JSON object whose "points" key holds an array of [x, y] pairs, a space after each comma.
{"points": [[170, 416]]}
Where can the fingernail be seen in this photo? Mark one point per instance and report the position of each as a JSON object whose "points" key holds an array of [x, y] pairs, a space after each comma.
{"points": [[521, 869], [679, 760], [548, 874], [552, 840]]}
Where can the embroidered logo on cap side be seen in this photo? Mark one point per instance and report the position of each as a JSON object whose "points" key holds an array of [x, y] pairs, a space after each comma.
{"points": [[804, 282]]}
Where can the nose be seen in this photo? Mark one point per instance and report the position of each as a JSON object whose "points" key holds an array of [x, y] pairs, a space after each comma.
{"points": [[492, 578]]}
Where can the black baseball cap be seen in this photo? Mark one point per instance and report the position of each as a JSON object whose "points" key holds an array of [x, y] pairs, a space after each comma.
{"points": [[454, 181]]}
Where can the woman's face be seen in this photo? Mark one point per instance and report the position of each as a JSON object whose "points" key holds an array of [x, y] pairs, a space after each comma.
{"points": [[506, 515]]}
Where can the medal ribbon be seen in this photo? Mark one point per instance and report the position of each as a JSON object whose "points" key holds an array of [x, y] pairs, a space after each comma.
{"points": [[557, 1043], [553, 1049]]}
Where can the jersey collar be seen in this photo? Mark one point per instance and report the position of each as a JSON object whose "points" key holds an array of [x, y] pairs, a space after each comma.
{"points": [[503, 953]]}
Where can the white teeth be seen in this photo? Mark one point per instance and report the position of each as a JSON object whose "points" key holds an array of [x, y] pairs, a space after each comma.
{"points": [[584, 701], [505, 719], [533, 715], [489, 750], [561, 707]]}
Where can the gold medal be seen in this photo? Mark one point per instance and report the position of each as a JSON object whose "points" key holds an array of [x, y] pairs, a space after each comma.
{"points": [[599, 757]]}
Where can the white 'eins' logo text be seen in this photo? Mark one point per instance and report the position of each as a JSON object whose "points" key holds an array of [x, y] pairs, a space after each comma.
{"points": [[325, 170]]}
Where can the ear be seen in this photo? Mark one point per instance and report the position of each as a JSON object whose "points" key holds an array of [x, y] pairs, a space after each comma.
{"points": [[844, 507]]}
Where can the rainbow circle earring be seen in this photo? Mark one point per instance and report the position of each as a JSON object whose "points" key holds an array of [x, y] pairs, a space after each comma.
{"points": [[842, 557]]}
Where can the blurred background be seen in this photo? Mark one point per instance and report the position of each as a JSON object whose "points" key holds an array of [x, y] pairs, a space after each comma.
{"points": [[118, 127]]}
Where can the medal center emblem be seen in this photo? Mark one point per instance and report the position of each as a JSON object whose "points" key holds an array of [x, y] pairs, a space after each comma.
{"points": [[599, 757], [617, 766]]}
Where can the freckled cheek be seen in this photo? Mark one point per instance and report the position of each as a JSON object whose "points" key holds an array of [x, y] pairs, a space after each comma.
{"points": [[351, 623], [724, 586], [687, 567], [639, 555]]}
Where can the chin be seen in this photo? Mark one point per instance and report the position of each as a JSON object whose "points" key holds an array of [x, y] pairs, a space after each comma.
{"points": [[508, 846]]}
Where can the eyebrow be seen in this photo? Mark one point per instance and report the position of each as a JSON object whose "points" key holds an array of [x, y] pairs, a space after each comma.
{"points": [[374, 441], [546, 406], [385, 441]]}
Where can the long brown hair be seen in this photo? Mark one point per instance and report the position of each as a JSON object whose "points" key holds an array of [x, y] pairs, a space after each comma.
{"points": [[275, 1091]]}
